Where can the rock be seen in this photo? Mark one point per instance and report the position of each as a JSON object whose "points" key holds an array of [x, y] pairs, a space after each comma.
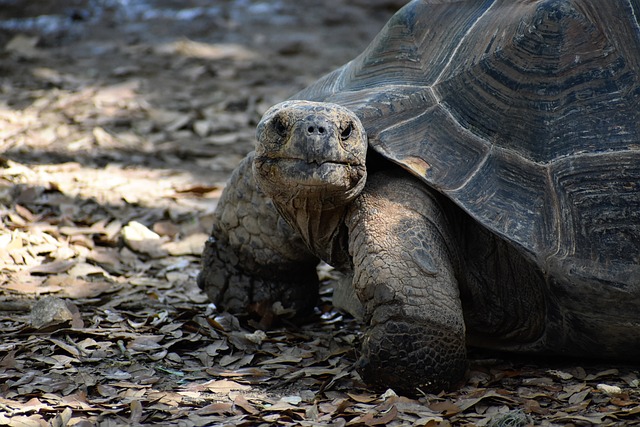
{"points": [[52, 311]]}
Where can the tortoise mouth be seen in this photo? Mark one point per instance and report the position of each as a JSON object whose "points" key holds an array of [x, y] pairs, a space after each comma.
{"points": [[312, 165], [313, 173], [284, 175]]}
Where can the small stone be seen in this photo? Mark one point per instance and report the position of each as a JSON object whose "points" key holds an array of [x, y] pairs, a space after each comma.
{"points": [[53, 310], [202, 128], [611, 390]]}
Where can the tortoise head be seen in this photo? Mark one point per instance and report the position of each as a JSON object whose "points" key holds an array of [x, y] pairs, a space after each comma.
{"points": [[312, 152]]}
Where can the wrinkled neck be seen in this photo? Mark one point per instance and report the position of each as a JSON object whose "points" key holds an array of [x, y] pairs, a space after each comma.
{"points": [[314, 200], [320, 224]]}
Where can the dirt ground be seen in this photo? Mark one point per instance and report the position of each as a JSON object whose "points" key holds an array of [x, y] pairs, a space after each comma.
{"points": [[119, 124]]}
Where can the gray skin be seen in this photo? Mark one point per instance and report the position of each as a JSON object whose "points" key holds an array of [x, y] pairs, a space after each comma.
{"points": [[400, 243], [475, 172]]}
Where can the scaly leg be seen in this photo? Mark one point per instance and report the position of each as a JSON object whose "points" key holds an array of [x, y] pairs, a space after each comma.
{"points": [[253, 255], [404, 260]]}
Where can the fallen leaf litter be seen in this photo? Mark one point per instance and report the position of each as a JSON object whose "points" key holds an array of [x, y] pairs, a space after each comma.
{"points": [[112, 164]]}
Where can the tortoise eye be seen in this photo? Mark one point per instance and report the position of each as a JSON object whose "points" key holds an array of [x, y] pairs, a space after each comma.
{"points": [[346, 132], [280, 126]]}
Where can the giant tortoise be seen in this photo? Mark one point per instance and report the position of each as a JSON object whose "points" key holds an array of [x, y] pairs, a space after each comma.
{"points": [[475, 172]]}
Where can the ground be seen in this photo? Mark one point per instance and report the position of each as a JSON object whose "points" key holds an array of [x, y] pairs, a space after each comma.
{"points": [[119, 123]]}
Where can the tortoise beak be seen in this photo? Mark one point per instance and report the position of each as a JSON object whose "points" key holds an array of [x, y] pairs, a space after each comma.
{"points": [[315, 140]]}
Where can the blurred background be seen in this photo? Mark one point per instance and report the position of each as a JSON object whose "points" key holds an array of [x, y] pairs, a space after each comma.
{"points": [[142, 81]]}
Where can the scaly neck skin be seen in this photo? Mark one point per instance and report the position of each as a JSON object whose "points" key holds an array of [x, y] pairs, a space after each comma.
{"points": [[313, 200], [320, 222], [310, 160]]}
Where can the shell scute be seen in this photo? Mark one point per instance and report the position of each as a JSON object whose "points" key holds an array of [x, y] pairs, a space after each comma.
{"points": [[526, 112]]}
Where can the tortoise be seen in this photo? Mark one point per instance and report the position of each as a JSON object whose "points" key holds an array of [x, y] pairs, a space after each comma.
{"points": [[475, 173]]}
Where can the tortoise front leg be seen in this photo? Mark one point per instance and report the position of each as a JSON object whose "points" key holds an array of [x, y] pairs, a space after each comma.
{"points": [[403, 260], [253, 255]]}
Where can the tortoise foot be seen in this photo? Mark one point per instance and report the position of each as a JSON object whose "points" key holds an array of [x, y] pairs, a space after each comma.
{"points": [[294, 292], [411, 358]]}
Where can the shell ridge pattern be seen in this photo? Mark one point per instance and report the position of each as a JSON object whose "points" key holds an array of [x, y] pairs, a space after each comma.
{"points": [[390, 133], [473, 173], [633, 12], [460, 43], [472, 96], [512, 200], [599, 207], [375, 67], [554, 223]]}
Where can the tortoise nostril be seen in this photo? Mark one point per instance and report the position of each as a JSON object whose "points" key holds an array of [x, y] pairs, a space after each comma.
{"points": [[319, 129], [315, 128]]}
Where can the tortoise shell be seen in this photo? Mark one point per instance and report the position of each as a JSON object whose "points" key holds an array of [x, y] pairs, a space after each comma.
{"points": [[525, 113]]}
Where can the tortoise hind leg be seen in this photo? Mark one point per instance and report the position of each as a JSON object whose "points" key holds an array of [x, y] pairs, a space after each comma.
{"points": [[404, 260], [253, 256]]}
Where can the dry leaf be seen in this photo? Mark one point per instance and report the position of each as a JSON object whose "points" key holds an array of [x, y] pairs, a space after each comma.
{"points": [[166, 228], [579, 397], [83, 269], [225, 386], [199, 190], [136, 412], [560, 374], [366, 398], [140, 239], [23, 46], [191, 245], [222, 408], [247, 406], [446, 408], [52, 267]]}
